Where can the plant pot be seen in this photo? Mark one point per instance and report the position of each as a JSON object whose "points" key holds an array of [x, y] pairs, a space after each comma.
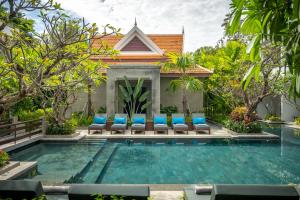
{"points": [[108, 125], [149, 126]]}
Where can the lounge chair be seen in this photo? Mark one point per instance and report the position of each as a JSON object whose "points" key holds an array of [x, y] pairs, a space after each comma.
{"points": [[99, 123], [178, 123], [138, 123], [160, 123], [243, 192], [120, 123], [88, 191], [199, 122]]}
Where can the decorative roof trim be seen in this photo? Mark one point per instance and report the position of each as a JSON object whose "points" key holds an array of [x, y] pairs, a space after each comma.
{"points": [[136, 32]]}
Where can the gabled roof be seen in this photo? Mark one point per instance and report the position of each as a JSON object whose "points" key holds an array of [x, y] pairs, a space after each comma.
{"points": [[151, 49], [166, 42], [135, 32]]}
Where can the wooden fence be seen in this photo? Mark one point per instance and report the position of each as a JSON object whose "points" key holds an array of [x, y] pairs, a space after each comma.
{"points": [[12, 132]]}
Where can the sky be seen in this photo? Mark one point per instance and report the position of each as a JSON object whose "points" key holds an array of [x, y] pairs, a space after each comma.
{"points": [[201, 19]]}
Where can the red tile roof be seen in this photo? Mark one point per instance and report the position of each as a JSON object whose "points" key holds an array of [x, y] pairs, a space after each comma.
{"points": [[166, 42]]}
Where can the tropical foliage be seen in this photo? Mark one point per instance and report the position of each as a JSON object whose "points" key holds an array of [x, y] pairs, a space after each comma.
{"points": [[168, 109], [241, 127], [297, 121], [274, 21], [230, 63], [135, 100], [4, 158], [53, 64], [68, 127], [185, 82]]}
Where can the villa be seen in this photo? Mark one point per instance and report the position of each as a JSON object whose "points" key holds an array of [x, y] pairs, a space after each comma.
{"points": [[139, 57], [149, 116]]}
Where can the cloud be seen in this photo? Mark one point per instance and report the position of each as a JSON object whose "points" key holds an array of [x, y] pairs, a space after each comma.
{"points": [[201, 19]]}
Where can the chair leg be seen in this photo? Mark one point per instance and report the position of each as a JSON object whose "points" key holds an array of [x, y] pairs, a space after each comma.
{"points": [[88, 131], [110, 131], [131, 131]]}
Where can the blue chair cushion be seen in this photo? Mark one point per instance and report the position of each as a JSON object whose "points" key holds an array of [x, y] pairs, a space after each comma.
{"points": [[178, 120], [160, 120], [199, 120], [99, 120], [120, 120], [139, 120]]}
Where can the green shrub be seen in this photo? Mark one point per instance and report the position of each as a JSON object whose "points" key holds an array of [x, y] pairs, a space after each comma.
{"points": [[168, 109], [82, 120], [219, 118], [273, 118], [31, 115], [102, 109], [4, 158], [238, 114], [297, 121], [67, 128], [242, 127]]}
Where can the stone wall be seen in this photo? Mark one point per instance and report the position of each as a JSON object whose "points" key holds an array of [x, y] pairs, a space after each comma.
{"points": [[170, 98], [98, 99]]}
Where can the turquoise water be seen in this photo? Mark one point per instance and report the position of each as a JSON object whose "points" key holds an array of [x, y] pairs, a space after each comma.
{"points": [[221, 161]]}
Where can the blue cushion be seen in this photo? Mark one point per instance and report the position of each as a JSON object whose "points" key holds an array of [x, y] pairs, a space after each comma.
{"points": [[139, 120], [99, 120], [120, 120], [178, 120], [199, 120], [160, 120]]}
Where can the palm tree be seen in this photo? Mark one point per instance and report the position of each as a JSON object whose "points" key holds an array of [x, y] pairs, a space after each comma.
{"points": [[186, 82]]}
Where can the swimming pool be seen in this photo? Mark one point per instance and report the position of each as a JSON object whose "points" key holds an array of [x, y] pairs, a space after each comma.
{"points": [[172, 162]]}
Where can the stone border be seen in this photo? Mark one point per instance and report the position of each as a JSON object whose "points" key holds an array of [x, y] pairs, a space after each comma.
{"points": [[272, 122], [18, 171], [9, 166], [62, 136]]}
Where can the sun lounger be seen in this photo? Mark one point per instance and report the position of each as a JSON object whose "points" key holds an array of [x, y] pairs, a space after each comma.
{"points": [[199, 122], [160, 123], [138, 123], [99, 123], [120, 123], [178, 123]]}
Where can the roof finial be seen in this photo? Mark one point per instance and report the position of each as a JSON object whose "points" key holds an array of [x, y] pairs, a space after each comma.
{"points": [[135, 24], [182, 30]]}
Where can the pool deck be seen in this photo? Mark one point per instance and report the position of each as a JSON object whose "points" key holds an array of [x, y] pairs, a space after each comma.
{"points": [[217, 132]]}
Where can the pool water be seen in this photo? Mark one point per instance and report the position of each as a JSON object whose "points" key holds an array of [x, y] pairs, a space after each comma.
{"points": [[221, 161]]}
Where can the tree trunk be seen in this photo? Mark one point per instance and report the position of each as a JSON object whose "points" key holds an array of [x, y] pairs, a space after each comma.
{"points": [[89, 99], [184, 102]]}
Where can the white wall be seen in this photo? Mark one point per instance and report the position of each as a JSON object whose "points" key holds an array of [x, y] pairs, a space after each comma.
{"points": [[289, 111], [170, 98], [98, 99], [273, 105]]}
